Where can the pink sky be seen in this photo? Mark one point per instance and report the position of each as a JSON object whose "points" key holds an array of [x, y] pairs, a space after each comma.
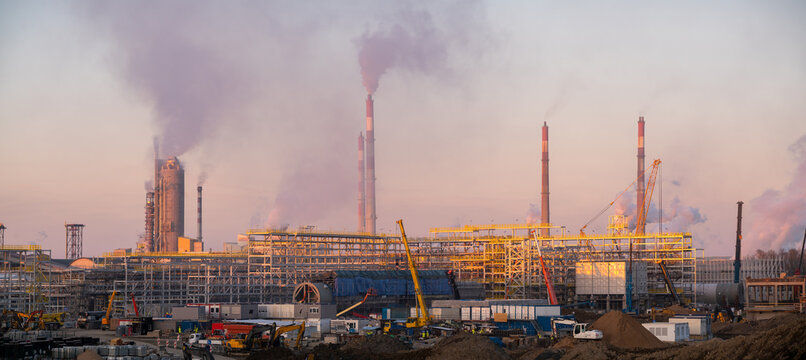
{"points": [[457, 125]]}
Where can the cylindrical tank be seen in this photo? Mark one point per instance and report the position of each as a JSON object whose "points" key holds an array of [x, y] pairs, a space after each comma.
{"points": [[724, 295], [172, 204]]}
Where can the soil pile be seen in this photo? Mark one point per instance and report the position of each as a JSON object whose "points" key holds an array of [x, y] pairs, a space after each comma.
{"points": [[464, 346], [593, 350], [566, 343], [782, 342], [278, 353], [623, 331], [728, 330], [375, 344]]}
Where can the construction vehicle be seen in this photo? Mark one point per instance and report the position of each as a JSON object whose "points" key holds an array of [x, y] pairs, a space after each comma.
{"points": [[105, 321], [423, 318], [563, 327], [370, 292], [546, 275], [263, 337]]}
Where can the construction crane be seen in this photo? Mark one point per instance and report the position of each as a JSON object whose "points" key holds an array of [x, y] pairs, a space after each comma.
{"points": [[546, 275], [105, 320], [669, 283], [640, 225], [423, 318], [654, 171], [370, 292]]}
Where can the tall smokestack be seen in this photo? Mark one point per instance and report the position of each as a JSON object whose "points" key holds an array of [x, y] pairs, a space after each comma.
{"points": [[370, 186], [737, 262], [156, 244], [199, 221], [639, 187], [362, 202], [544, 194]]}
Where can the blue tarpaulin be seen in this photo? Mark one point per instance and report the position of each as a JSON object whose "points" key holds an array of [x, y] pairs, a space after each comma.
{"points": [[390, 283]]}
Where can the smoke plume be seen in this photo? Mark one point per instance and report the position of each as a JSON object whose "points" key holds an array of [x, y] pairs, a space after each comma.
{"points": [[779, 216], [171, 54], [148, 185], [533, 215], [202, 178], [415, 43], [677, 217]]}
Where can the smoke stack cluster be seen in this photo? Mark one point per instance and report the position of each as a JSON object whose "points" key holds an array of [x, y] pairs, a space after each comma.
{"points": [[544, 194], [641, 183], [165, 207], [362, 202], [370, 166]]}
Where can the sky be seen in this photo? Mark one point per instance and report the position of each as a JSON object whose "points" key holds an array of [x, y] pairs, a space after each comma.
{"points": [[263, 102]]}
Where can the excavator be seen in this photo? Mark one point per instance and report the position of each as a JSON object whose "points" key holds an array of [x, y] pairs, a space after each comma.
{"points": [[105, 320], [255, 339], [422, 318]]}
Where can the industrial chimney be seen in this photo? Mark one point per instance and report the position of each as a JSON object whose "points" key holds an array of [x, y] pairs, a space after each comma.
{"points": [[544, 194], [362, 202], [737, 261], [199, 221], [370, 161], [641, 183]]}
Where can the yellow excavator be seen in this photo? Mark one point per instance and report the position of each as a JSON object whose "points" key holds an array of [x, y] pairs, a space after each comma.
{"points": [[105, 320], [422, 318], [255, 341]]}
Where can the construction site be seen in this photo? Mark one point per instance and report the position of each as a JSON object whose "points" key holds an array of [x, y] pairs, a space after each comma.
{"points": [[489, 291]]}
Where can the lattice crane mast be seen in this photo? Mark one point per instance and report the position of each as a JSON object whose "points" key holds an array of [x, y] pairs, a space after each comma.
{"points": [[640, 225]]}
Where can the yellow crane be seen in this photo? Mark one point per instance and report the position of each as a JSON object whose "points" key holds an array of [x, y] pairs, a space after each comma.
{"points": [[105, 320], [640, 225], [423, 318]]}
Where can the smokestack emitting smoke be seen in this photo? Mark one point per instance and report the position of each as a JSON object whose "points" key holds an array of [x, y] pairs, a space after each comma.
{"points": [[199, 221], [362, 218], [641, 183], [370, 162], [544, 194]]}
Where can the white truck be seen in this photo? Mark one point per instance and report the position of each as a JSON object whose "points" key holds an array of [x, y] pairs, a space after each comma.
{"points": [[561, 327]]}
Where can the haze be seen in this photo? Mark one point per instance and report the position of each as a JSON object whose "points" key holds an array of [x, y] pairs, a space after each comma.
{"points": [[263, 101]]}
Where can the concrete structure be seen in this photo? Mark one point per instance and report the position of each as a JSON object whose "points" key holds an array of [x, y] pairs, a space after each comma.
{"points": [[544, 193], [170, 205], [362, 193], [371, 216], [765, 298], [641, 182], [609, 278]]}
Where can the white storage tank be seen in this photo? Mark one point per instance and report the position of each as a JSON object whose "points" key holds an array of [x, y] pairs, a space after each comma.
{"points": [[668, 332]]}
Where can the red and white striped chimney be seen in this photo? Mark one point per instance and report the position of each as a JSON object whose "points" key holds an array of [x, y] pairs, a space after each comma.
{"points": [[370, 161], [544, 194], [362, 218], [199, 221], [641, 183]]}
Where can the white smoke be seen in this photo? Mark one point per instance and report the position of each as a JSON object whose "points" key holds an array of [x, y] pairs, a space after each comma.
{"points": [[533, 215], [779, 216], [677, 217]]}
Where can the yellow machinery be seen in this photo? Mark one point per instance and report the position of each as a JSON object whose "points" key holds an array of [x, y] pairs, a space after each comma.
{"points": [[105, 320], [422, 318], [254, 340]]}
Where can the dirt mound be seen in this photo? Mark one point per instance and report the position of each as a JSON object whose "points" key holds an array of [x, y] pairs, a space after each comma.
{"points": [[464, 346], [566, 343], [593, 350], [375, 344], [542, 354], [623, 331], [782, 342], [728, 330], [278, 353]]}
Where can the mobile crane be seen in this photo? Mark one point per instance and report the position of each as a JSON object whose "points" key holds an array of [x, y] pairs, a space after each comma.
{"points": [[423, 318], [546, 275], [105, 320]]}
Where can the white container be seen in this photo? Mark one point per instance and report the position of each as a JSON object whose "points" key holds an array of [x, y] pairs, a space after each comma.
{"points": [[465, 312], [486, 315], [668, 332], [699, 326]]}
